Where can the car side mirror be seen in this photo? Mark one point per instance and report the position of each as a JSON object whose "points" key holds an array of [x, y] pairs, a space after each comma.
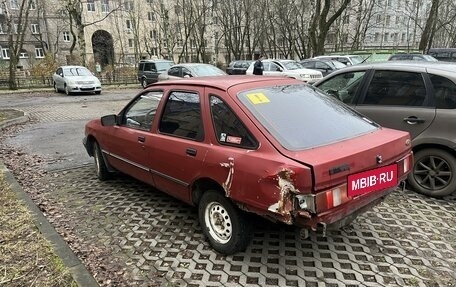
{"points": [[109, 120]]}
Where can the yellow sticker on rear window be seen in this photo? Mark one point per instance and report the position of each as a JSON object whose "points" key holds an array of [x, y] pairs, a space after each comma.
{"points": [[258, 98]]}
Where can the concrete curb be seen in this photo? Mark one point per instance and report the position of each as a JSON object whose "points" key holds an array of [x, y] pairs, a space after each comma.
{"points": [[78, 271], [15, 121]]}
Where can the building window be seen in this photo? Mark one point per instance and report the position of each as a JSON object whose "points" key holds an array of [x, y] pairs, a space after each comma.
{"points": [[388, 20], [105, 6], [129, 5], [91, 5], [5, 53], [15, 28], [35, 28], [32, 5], [386, 37], [2, 31], [153, 34], [131, 43], [39, 52], [151, 16], [14, 5], [129, 25], [23, 54], [66, 36]]}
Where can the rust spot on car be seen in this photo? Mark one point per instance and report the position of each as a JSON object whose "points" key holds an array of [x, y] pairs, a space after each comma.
{"points": [[229, 179], [287, 189]]}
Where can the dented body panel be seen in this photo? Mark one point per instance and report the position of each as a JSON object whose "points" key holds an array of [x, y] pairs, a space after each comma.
{"points": [[306, 187]]}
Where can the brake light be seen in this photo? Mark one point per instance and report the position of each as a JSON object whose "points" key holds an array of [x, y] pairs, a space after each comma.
{"points": [[405, 164], [331, 198]]}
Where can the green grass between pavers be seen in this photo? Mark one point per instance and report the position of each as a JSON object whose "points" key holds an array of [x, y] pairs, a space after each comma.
{"points": [[26, 257], [3, 116]]}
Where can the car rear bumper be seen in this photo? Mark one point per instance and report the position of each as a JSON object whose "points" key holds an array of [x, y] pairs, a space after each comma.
{"points": [[342, 215]]}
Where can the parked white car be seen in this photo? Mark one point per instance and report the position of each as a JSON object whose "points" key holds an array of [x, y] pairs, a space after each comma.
{"points": [[75, 79], [287, 68]]}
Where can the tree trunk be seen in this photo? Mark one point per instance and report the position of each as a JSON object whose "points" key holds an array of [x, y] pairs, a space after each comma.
{"points": [[430, 26]]}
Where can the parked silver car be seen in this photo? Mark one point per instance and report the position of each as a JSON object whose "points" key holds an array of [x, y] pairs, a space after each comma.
{"points": [[418, 97], [75, 79]]}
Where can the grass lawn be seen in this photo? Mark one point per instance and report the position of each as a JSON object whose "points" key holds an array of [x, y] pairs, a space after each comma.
{"points": [[26, 257]]}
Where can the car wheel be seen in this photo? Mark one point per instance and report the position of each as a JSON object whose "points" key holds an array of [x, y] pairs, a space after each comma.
{"points": [[223, 224], [433, 173], [100, 165], [67, 90], [144, 82], [97, 92], [55, 88]]}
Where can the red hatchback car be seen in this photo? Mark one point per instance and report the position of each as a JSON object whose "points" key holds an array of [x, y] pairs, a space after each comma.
{"points": [[275, 147]]}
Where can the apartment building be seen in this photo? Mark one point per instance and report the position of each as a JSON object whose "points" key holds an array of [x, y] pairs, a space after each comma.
{"points": [[122, 32]]}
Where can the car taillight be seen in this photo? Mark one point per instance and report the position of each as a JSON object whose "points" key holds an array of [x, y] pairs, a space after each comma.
{"points": [[324, 200], [405, 164], [331, 198]]}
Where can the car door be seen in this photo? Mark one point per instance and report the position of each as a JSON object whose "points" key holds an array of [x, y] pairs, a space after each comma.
{"points": [[178, 148], [274, 69], [59, 79], [128, 147], [398, 100]]}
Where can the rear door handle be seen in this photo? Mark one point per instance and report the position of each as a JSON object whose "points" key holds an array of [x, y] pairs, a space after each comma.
{"points": [[414, 120], [141, 139], [191, 151]]}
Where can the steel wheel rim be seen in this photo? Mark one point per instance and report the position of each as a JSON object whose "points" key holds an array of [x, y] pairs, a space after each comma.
{"points": [[144, 83], [433, 173], [219, 222]]}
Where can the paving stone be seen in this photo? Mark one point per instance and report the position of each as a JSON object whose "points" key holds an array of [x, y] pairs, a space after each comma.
{"points": [[408, 240]]}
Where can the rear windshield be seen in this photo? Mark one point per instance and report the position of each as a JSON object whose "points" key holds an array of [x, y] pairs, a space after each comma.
{"points": [[300, 117]]}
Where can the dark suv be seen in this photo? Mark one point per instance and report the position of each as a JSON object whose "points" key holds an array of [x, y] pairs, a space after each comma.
{"points": [[148, 70], [416, 97]]}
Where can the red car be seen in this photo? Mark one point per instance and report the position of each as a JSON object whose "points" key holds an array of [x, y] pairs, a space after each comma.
{"points": [[275, 147]]}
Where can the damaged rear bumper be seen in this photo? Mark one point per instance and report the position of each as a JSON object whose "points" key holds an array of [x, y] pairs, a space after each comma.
{"points": [[342, 215]]}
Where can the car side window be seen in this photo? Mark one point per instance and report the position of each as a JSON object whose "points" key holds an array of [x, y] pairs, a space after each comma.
{"points": [[320, 65], [147, 66], [141, 113], [396, 88], [174, 71], [344, 86], [229, 129], [444, 92], [275, 68], [186, 72], [182, 116]]}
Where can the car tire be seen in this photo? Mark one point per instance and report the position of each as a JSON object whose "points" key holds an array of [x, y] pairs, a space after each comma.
{"points": [[97, 92], [55, 88], [144, 82], [224, 225], [434, 173], [67, 91], [100, 165]]}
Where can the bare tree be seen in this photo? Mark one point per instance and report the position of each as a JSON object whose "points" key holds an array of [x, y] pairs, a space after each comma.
{"points": [[16, 28], [320, 23]]}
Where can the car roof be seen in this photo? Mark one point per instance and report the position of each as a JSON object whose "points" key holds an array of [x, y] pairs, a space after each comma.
{"points": [[192, 64], [228, 81], [72, 66], [154, 61]]}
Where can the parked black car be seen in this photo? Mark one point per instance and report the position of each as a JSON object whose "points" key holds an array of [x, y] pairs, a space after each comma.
{"points": [[325, 66], [238, 67], [148, 70]]}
